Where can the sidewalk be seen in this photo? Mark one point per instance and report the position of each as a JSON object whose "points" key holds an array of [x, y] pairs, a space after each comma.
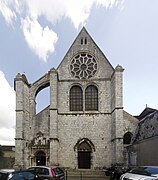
{"points": [[86, 178], [86, 175]]}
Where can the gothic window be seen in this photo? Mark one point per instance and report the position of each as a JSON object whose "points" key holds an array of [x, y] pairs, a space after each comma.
{"points": [[76, 99], [91, 98], [83, 66], [127, 138]]}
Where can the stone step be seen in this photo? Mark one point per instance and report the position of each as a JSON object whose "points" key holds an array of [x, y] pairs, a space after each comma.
{"points": [[94, 173]]}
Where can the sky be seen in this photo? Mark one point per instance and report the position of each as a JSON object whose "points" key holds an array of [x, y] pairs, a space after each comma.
{"points": [[36, 34]]}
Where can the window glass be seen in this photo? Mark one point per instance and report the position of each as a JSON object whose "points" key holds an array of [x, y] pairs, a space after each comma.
{"points": [[43, 171], [76, 99], [58, 171], [91, 98], [145, 170]]}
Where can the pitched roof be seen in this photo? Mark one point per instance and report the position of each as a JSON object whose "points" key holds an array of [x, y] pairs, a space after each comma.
{"points": [[147, 126], [145, 112]]}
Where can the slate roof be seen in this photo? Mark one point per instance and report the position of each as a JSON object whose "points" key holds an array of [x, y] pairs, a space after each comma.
{"points": [[147, 126], [145, 112]]}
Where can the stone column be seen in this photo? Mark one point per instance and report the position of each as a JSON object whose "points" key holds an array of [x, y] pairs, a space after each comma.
{"points": [[53, 117], [32, 117], [117, 115], [21, 87]]}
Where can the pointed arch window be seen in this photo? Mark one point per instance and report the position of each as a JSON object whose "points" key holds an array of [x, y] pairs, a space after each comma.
{"points": [[76, 98], [91, 98], [127, 138]]}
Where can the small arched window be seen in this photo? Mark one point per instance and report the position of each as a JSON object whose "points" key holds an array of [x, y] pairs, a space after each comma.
{"points": [[127, 138], [85, 40], [81, 40], [76, 99], [91, 98]]}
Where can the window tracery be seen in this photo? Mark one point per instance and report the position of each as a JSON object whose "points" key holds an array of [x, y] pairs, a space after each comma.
{"points": [[83, 66]]}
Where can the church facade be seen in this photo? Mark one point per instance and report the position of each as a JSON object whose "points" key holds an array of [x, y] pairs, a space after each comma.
{"points": [[85, 124]]}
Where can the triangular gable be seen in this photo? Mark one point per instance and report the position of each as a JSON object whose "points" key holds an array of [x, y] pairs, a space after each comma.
{"points": [[84, 45]]}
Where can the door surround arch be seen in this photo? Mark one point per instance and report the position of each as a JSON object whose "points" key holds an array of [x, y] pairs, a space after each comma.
{"points": [[84, 149]]}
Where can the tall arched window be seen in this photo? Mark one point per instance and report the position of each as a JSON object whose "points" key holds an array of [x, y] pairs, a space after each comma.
{"points": [[76, 99], [91, 98]]}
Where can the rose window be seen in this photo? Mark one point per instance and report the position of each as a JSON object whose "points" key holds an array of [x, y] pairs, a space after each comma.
{"points": [[83, 66]]}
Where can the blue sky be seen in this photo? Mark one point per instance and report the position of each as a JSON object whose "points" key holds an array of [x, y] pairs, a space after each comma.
{"points": [[35, 36]]}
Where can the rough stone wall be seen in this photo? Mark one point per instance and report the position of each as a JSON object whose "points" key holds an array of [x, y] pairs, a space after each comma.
{"points": [[73, 126], [130, 123], [117, 115], [94, 127], [42, 122], [104, 95], [22, 117]]}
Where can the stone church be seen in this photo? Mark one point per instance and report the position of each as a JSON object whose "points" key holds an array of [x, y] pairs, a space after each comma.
{"points": [[85, 126]]}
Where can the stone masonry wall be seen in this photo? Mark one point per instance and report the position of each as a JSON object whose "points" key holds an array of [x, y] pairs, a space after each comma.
{"points": [[97, 128], [103, 89]]}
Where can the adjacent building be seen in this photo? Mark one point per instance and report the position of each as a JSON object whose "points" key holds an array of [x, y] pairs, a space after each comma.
{"points": [[7, 158], [144, 144]]}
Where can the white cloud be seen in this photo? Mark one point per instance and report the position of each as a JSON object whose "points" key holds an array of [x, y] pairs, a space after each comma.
{"points": [[40, 39], [76, 10], [7, 111], [6, 11], [108, 3]]}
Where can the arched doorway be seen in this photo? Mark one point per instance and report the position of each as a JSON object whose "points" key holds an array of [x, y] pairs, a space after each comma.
{"points": [[40, 158], [84, 156]]}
